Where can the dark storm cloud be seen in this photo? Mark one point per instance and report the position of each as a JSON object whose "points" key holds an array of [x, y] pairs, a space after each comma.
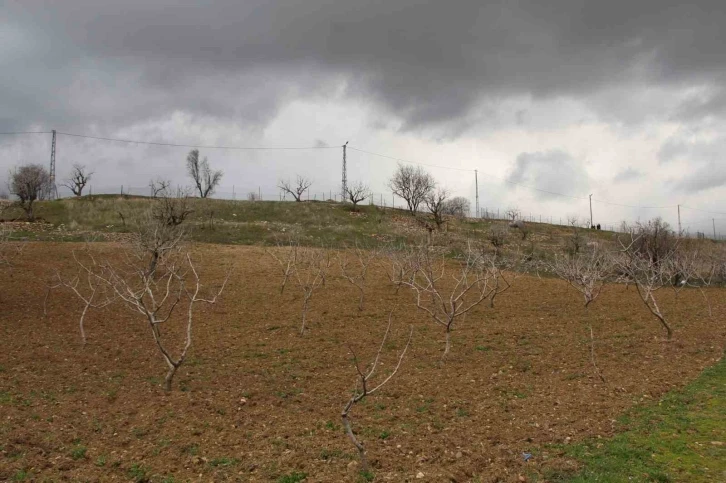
{"points": [[429, 65], [629, 174], [555, 171]]}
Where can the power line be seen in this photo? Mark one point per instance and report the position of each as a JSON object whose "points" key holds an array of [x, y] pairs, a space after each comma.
{"points": [[410, 162], [634, 206], [704, 211], [151, 143], [513, 183], [26, 132], [247, 148]]}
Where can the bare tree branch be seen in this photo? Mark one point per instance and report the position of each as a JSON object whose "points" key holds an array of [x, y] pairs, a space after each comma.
{"points": [[297, 191], [357, 275], [356, 193], [78, 179], [362, 389]]}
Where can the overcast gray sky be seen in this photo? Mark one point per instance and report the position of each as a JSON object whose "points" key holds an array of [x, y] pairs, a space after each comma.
{"points": [[624, 100]]}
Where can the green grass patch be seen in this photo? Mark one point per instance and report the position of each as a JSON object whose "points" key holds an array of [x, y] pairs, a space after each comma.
{"points": [[682, 438], [292, 478]]}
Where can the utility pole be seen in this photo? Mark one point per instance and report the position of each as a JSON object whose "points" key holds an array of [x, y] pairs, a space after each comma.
{"points": [[476, 183], [714, 227], [52, 189], [344, 187], [679, 220], [591, 225]]}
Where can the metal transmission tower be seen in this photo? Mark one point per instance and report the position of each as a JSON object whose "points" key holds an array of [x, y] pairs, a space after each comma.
{"points": [[52, 189], [345, 175]]}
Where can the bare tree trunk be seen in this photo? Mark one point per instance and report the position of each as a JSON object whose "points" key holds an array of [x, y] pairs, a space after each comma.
{"points": [[592, 355], [80, 323], [356, 443], [169, 376], [448, 343], [45, 302], [656, 311], [304, 314], [708, 302]]}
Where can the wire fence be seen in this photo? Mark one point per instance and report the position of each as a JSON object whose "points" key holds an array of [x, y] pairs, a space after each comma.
{"points": [[388, 200], [263, 165]]}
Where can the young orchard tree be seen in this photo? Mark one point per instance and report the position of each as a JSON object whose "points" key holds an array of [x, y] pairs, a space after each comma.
{"points": [[88, 284], [356, 193], [458, 206], [357, 271], [692, 269], [79, 178], [286, 257], [8, 250], [447, 299], [364, 387], [160, 187], [513, 213], [157, 279], [301, 186], [503, 271], [646, 259], [413, 184], [398, 264], [498, 237], [172, 209], [205, 180], [310, 270], [29, 183], [435, 203], [586, 273]]}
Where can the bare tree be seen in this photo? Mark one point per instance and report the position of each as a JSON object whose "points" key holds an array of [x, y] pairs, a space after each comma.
{"points": [[693, 269], [159, 187], [513, 213], [356, 193], [310, 270], [286, 257], [29, 183], [88, 284], [356, 274], [457, 206], [586, 273], [576, 240], [363, 389], [205, 180], [435, 200], [646, 259], [8, 250], [503, 270], [252, 196], [398, 264], [468, 287], [172, 209], [411, 184], [301, 186], [78, 179], [498, 236], [158, 277]]}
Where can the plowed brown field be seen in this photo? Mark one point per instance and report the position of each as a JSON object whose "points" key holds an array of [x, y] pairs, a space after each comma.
{"points": [[256, 401]]}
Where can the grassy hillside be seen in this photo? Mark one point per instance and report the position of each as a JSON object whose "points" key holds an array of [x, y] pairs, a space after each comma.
{"points": [[265, 222]]}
